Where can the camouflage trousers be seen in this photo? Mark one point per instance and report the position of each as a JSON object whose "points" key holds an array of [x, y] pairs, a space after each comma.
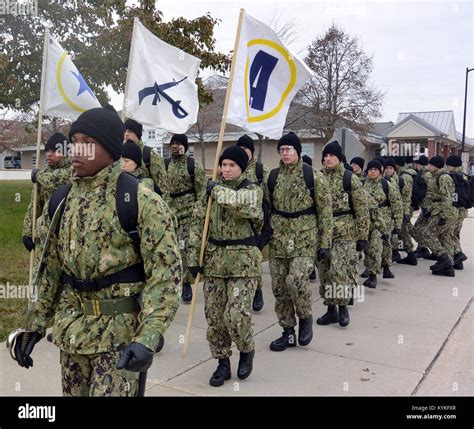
{"points": [[183, 238], [227, 304], [96, 375], [339, 275], [421, 230], [406, 235], [457, 229], [373, 252], [291, 288], [441, 238], [387, 247]]}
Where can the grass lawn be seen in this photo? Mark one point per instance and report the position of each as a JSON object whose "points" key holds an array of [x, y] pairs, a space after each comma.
{"points": [[14, 259]]}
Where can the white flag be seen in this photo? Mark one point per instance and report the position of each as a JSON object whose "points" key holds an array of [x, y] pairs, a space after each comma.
{"points": [[66, 93], [161, 89], [266, 78]]}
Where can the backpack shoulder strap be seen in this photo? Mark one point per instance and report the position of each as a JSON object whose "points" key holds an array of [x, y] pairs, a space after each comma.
{"points": [[147, 156], [309, 179], [244, 184], [401, 183], [385, 186], [191, 168], [126, 202], [347, 181], [259, 172], [272, 179], [57, 196]]}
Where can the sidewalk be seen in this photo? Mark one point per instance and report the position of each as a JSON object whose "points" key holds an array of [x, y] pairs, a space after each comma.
{"points": [[413, 335]]}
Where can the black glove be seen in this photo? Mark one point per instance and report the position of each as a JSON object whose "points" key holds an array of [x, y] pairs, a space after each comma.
{"points": [[324, 254], [135, 357], [23, 358], [385, 237], [442, 222], [210, 186], [406, 218], [28, 243], [195, 270], [396, 231], [361, 245], [34, 172]]}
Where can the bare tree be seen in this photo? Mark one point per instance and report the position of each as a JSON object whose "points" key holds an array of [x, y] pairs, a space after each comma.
{"points": [[285, 29], [339, 93]]}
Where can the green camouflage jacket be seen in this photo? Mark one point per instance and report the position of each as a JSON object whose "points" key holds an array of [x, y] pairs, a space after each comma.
{"points": [[156, 172], [427, 203], [233, 212], [444, 193], [92, 244], [348, 227], [179, 180], [251, 172], [146, 181], [301, 236], [48, 180], [407, 174]]}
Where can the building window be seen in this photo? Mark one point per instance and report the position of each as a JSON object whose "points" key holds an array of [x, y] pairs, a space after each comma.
{"points": [[151, 134], [307, 149], [33, 160]]}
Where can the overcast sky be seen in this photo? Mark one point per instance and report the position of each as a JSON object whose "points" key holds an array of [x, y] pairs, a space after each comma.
{"points": [[420, 48]]}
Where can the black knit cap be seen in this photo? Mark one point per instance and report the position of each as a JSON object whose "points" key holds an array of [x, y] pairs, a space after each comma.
{"points": [[409, 159], [54, 140], [382, 161], [131, 150], [454, 161], [422, 160], [390, 162], [246, 141], [290, 139], [236, 154], [181, 139], [134, 126], [333, 148], [437, 161], [307, 159], [374, 164], [400, 160], [359, 161], [104, 125]]}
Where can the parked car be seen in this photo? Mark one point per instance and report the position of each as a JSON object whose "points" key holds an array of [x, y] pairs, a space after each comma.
{"points": [[12, 162]]}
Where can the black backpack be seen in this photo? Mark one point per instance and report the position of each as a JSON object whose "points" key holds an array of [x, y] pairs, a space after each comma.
{"points": [[147, 160], [420, 188], [470, 204], [191, 170], [462, 193], [259, 172], [386, 203], [127, 190]]}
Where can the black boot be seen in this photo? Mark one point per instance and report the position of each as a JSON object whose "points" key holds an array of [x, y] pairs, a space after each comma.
{"points": [[365, 274], [459, 257], [371, 282], [312, 275], [431, 257], [221, 374], [410, 259], [187, 293], [443, 262], [343, 315], [160, 344], [447, 272], [422, 252], [396, 256], [387, 274], [329, 317], [257, 304], [458, 266], [287, 339], [305, 331], [49, 337], [245, 364]]}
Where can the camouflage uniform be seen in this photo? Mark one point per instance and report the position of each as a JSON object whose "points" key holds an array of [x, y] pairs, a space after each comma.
{"points": [[146, 181], [421, 227], [462, 214], [407, 173], [230, 271], [157, 172], [441, 238], [182, 206], [91, 245], [342, 269], [251, 174], [48, 181], [295, 240], [394, 221]]}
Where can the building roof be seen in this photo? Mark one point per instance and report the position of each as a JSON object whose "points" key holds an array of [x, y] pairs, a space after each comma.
{"points": [[442, 121]]}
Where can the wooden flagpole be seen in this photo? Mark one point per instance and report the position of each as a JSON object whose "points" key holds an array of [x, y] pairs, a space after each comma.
{"points": [[129, 67], [38, 148], [214, 177]]}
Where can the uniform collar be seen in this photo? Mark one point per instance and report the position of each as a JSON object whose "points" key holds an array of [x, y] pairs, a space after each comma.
{"points": [[291, 167], [105, 176]]}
